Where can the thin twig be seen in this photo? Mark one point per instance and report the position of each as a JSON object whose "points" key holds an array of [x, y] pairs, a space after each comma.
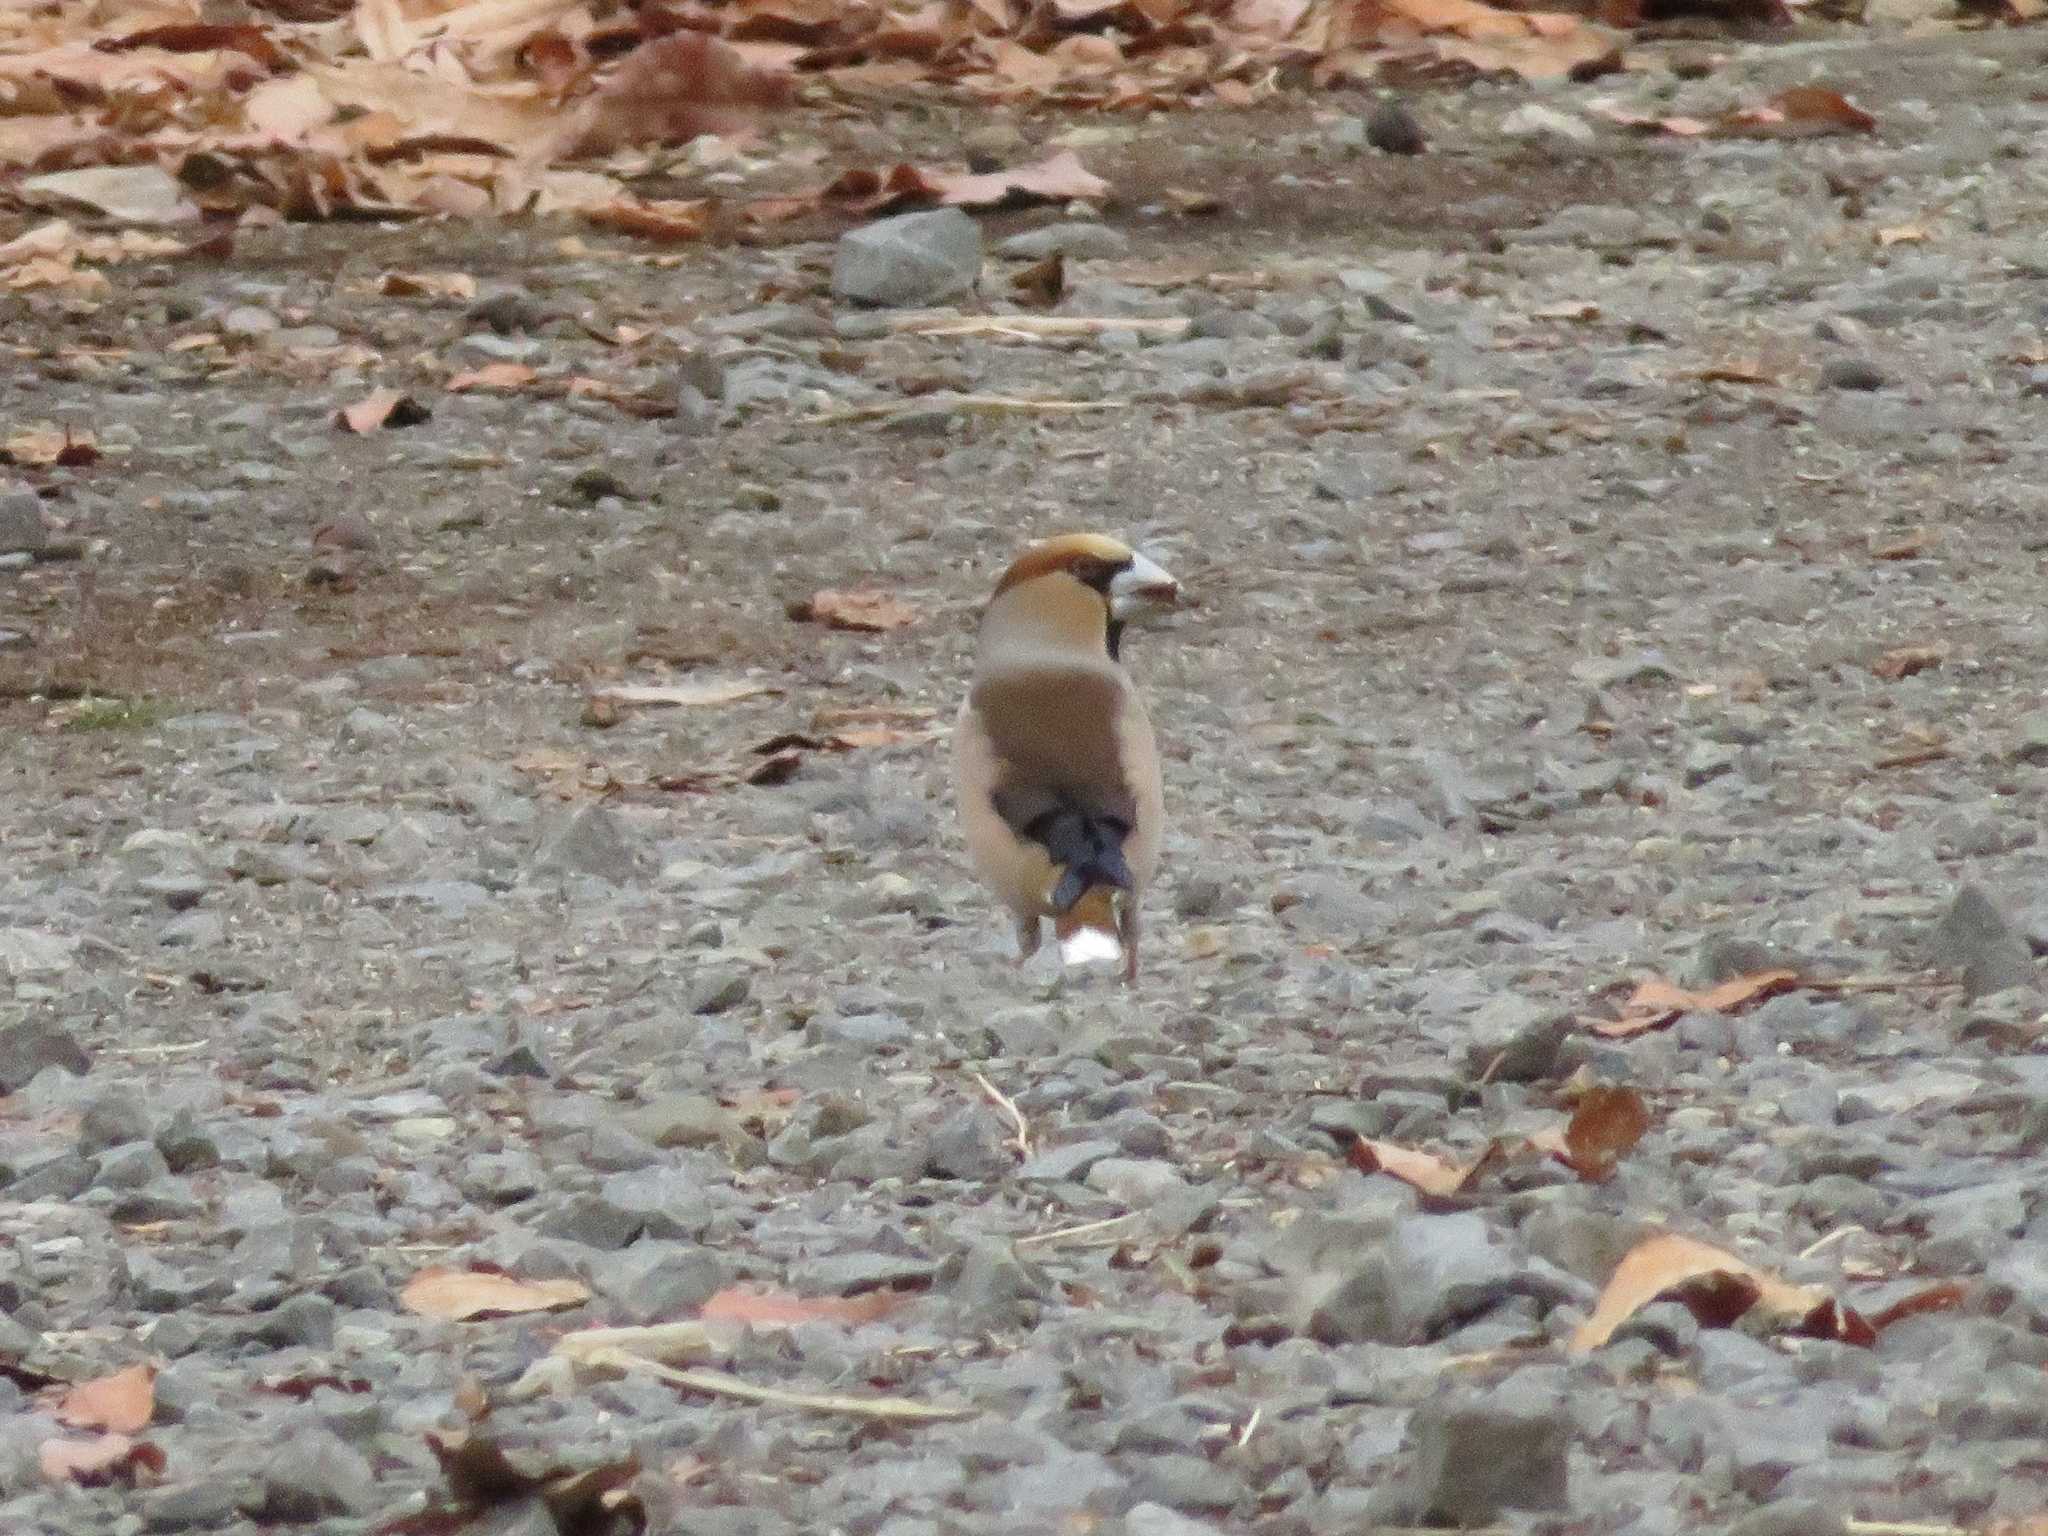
{"points": [[1019, 1126], [1836, 1236], [989, 405], [1085, 1229], [1038, 325], [1903, 1528], [1250, 1425], [1875, 983], [725, 1384]]}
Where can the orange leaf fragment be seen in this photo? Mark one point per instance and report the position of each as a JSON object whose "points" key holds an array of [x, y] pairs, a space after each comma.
{"points": [[1945, 1297], [1658, 1002], [493, 376], [458, 1295], [784, 1309], [1608, 1120], [1804, 111], [381, 408], [101, 1460], [677, 87], [862, 609], [1422, 1171], [1906, 661], [1717, 1288], [123, 1402], [663, 219], [437, 285]]}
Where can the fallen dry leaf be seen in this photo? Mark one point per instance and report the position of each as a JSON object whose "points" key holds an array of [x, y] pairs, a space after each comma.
{"points": [[862, 609], [668, 219], [1043, 283], [1607, 1122], [1658, 1002], [1057, 179], [1422, 1171], [782, 1309], [382, 408], [123, 1402], [676, 88], [493, 376], [483, 1472], [1907, 546], [1907, 660], [433, 285], [1804, 111], [458, 1295], [692, 695], [1716, 1287], [100, 1461], [42, 446]]}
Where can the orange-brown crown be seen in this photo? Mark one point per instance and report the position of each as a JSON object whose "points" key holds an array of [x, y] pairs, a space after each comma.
{"points": [[1084, 554]]}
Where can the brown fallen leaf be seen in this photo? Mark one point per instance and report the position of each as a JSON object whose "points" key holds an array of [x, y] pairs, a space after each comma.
{"points": [[382, 408], [42, 446], [1421, 1171], [101, 1461], [1608, 1120], [123, 1402], [503, 376], [483, 1472], [1657, 1002], [1906, 660], [861, 609], [432, 285], [1906, 546], [667, 219], [1058, 178], [1945, 1297], [691, 695], [782, 1309], [1043, 283], [1804, 111], [458, 1295], [1717, 1288], [677, 87]]}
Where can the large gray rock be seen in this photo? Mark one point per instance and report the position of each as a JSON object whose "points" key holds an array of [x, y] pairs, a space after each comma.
{"points": [[912, 259], [1473, 1460], [21, 521], [1976, 940], [587, 841]]}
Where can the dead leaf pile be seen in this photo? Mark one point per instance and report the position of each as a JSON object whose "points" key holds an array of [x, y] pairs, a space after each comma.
{"points": [[1719, 1289], [164, 114]]}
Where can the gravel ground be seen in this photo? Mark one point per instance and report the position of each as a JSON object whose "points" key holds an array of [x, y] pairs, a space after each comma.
{"points": [[1607, 558]]}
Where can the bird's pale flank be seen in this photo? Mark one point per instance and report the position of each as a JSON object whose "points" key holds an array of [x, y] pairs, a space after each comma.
{"points": [[1054, 763]]}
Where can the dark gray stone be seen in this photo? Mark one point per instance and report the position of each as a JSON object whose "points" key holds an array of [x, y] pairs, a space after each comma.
{"points": [[1977, 941], [313, 1475], [912, 259], [1471, 1462], [31, 1045]]}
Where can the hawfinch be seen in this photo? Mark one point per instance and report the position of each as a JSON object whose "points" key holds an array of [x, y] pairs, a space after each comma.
{"points": [[1053, 760]]}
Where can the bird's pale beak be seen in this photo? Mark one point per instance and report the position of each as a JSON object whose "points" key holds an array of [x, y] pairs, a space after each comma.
{"points": [[1143, 584]]}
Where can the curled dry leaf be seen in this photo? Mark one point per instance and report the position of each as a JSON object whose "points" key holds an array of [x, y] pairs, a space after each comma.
{"points": [[458, 1295], [1043, 283], [382, 408], [1907, 660], [123, 1402], [1657, 1002], [1717, 1288], [691, 695], [502, 376], [862, 609], [782, 1309], [101, 1460], [38, 447], [482, 1471], [1607, 1122], [678, 87], [668, 219], [431, 285], [1804, 111], [1421, 1171]]}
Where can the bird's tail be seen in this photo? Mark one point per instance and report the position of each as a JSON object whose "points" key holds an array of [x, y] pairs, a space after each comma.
{"points": [[1087, 930]]}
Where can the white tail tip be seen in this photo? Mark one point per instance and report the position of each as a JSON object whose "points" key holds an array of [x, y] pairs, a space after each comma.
{"points": [[1089, 946]]}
